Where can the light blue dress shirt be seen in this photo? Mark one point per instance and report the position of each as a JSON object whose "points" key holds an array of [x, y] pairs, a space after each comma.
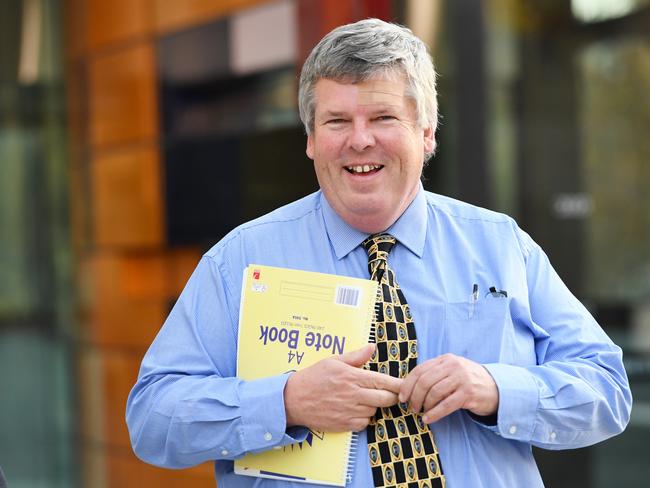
{"points": [[560, 378]]}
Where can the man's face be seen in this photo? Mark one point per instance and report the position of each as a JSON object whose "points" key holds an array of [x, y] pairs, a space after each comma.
{"points": [[367, 149]]}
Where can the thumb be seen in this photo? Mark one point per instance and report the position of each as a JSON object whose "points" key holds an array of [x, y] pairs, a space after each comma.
{"points": [[358, 357]]}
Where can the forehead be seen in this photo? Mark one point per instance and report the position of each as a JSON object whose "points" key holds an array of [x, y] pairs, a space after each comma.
{"points": [[331, 94], [381, 91]]}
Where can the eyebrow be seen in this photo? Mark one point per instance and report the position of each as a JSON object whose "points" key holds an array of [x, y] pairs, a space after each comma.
{"points": [[331, 114], [383, 108]]}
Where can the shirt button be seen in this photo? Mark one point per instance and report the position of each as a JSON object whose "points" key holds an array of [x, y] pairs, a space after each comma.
{"points": [[513, 429], [553, 436], [268, 436], [224, 452]]}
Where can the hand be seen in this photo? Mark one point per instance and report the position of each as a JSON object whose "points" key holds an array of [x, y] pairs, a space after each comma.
{"points": [[447, 383], [336, 395]]}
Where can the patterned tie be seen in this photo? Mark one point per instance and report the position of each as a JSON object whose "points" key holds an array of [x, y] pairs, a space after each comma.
{"points": [[402, 451]]}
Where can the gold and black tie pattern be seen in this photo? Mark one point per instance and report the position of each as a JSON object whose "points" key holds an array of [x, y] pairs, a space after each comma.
{"points": [[402, 451]]}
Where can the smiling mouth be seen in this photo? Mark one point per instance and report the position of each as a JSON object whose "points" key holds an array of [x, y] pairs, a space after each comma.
{"points": [[363, 168]]}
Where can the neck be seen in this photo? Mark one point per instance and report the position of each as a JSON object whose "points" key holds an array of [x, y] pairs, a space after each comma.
{"points": [[373, 223]]}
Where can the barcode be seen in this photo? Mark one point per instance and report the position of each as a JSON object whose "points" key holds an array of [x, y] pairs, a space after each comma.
{"points": [[347, 295]]}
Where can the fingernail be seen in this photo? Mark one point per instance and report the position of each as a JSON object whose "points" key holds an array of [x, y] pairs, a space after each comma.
{"points": [[401, 398], [425, 419]]}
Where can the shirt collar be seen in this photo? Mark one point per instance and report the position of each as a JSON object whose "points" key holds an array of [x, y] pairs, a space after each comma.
{"points": [[410, 228]]}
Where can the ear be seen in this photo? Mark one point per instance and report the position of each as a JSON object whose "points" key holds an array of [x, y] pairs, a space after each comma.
{"points": [[310, 146], [429, 139]]}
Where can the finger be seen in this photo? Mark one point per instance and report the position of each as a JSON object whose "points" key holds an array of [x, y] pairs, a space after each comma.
{"points": [[414, 376], [359, 423], [379, 381], [358, 357], [423, 382], [418, 394], [427, 380], [448, 405], [426, 376], [439, 392], [406, 390], [377, 398]]}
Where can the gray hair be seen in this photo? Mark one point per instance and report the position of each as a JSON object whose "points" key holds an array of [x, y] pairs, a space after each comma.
{"points": [[356, 52]]}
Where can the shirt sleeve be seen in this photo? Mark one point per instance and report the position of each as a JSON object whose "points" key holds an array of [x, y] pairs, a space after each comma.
{"points": [[578, 393], [188, 406]]}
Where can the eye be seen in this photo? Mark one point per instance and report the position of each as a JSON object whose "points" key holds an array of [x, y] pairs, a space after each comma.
{"points": [[335, 121], [384, 118]]}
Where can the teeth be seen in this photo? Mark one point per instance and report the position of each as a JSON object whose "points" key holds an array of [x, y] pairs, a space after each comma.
{"points": [[363, 169]]}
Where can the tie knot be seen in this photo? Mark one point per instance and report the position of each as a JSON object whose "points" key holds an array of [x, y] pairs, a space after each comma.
{"points": [[378, 246]]}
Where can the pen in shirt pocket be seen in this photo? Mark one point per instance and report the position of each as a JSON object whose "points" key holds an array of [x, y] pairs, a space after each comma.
{"points": [[473, 298], [497, 293]]}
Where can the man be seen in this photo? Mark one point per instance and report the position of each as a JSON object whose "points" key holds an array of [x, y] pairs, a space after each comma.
{"points": [[506, 356]]}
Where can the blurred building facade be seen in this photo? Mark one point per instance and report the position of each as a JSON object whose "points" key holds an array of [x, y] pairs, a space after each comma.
{"points": [[136, 133]]}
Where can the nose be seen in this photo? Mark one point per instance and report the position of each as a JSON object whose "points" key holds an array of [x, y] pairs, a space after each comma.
{"points": [[361, 137]]}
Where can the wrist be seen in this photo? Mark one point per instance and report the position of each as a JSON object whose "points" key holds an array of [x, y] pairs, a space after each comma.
{"points": [[290, 409]]}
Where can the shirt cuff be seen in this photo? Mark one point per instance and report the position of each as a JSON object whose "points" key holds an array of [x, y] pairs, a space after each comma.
{"points": [[518, 401], [264, 422]]}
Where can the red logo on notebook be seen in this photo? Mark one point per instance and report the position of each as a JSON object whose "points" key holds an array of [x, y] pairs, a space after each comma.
{"points": [[256, 274]]}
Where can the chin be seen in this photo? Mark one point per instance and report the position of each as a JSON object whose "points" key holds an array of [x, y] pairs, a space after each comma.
{"points": [[371, 221]]}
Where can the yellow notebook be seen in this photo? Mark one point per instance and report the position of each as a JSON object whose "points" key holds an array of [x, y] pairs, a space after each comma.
{"points": [[289, 320]]}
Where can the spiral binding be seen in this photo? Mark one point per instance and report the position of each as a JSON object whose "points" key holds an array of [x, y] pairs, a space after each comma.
{"points": [[352, 456]]}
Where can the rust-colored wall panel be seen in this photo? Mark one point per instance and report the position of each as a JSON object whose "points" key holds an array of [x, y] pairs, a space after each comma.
{"points": [[126, 470], [172, 15], [123, 312], [318, 17], [116, 20], [334, 14], [123, 103], [309, 30], [127, 198], [145, 278], [381, 9]]}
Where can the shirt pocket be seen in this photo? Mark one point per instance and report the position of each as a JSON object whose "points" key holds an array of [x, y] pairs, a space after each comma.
{"points": [[481, 331]]}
